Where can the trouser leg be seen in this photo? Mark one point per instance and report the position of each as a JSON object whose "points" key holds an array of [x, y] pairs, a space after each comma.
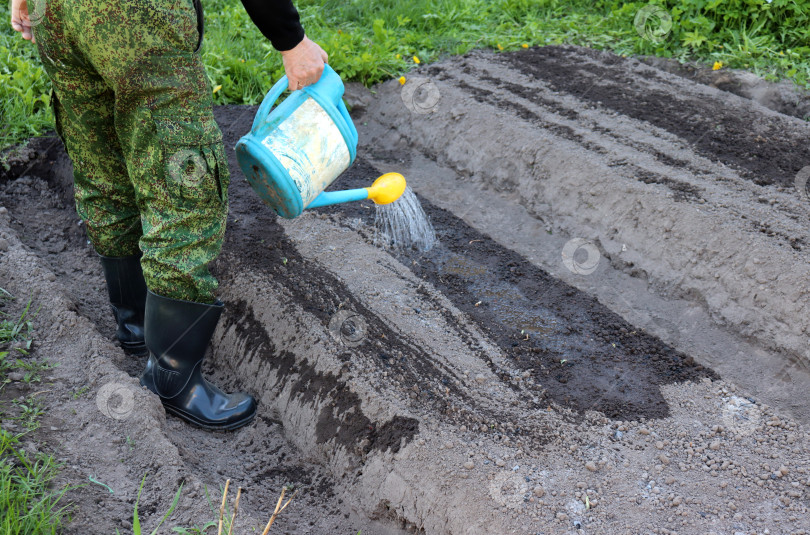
{"points": [[146, 51], [84, 111]]}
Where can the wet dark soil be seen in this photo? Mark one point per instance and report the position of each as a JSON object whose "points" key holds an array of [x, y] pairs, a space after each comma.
{"points": [[257, 458], [584, 355], [681, 190], [754, 143]]}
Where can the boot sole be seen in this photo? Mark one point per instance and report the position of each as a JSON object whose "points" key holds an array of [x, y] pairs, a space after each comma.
{"points": [[208, 426], [196, 422], [136, 350]]}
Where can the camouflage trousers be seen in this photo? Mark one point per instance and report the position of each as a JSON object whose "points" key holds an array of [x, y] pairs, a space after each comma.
{"points": [[134, 108]]}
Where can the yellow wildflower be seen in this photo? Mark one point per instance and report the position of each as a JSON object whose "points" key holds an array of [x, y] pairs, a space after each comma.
{"points": [[401, 80], [416, 60], [717, 65], [398, 56], [500, 47], [525, 45], [217, 88]]}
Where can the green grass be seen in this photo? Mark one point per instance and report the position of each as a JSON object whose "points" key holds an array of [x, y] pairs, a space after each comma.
{"points": [[374, 40], [136, 520], [16, 332], [16, 337], [29, 503]]}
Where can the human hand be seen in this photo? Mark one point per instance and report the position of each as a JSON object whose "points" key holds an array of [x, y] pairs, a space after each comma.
{"points": [[303, 64], [20, 21]]}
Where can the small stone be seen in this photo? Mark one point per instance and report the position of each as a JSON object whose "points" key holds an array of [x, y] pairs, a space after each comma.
{"points": [[659, 445], [481, 379], [469, 465], [715, 445], [500, 462], [16, 376], [670, 480], [539, 491], [590, 465], [677, 501], [663, 458], [3, 210], [644, 431], [562, 517], [3, 244]]}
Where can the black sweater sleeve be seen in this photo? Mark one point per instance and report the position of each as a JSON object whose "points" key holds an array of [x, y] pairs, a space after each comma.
{"points": [[277, 20]]}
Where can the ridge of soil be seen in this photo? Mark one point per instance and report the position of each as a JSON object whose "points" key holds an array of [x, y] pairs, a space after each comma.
{"points": [[487, 390]]}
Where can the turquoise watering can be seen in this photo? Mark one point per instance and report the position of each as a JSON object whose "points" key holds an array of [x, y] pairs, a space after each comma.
{"points": [[295, 151]]}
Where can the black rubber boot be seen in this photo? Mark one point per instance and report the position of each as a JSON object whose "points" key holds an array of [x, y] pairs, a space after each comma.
{"points": [[127, 291], [177, 335]]}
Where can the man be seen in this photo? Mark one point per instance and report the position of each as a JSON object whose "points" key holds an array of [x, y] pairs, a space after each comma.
{"points": [[134, 109]]}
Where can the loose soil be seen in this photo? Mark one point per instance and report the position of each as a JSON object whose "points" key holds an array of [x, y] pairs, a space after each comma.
{"points": [[481, 387]]}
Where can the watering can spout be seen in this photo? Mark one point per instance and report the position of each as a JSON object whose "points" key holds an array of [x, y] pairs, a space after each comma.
{"points": [[386, 189]]}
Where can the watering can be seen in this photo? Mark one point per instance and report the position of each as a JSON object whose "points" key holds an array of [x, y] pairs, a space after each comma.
{"points": [[295, 151]]}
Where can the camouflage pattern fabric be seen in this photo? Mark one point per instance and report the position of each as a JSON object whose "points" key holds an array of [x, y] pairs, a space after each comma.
{"points": [[134, 109]]}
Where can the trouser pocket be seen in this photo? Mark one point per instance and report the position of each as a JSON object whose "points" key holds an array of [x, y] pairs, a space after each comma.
{"points": [[194, 166]]}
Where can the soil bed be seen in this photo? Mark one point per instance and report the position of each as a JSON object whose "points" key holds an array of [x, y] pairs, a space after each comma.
{"points": [[483, 386]]}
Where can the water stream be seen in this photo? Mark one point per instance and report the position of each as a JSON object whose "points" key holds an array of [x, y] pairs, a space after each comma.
{"points": [[403, 225]]}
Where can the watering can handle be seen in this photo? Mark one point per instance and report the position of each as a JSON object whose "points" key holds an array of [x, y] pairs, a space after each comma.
{"points": [[269, 100]]}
